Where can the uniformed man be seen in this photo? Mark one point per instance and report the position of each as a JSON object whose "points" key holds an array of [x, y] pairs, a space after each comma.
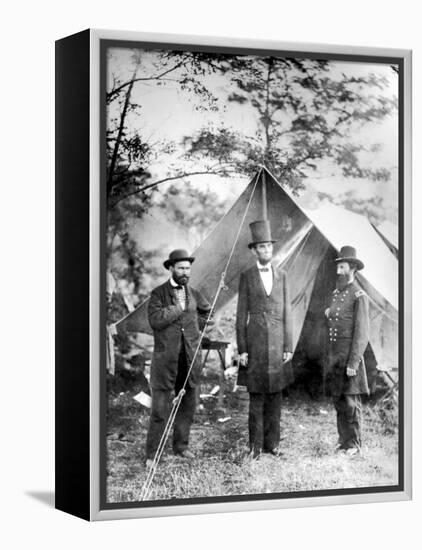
{"points": [[348, 336], [264, 340], [177, 313]]}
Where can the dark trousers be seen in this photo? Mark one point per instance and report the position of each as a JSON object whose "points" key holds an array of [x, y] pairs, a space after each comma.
{"points": [[264, 421], [349, 418], [162, 401]]}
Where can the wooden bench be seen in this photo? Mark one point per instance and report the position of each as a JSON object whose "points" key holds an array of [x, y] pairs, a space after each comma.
{"points": [[220, 346]]}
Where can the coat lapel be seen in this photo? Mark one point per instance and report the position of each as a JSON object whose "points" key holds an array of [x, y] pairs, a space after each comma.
{"points": [[169, 290], [258, 281], [189, 296], [276, 280], [171, 295], [259, 285]]}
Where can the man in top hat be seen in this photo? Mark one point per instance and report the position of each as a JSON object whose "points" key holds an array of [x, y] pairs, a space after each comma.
{"points": [[348, 336], [264, 340], [177, 313]]}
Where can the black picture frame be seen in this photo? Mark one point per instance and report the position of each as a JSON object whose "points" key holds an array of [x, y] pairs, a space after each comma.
{"points": [[81, 285]]}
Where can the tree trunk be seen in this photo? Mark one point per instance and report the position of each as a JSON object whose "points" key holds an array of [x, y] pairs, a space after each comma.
{"points": [[267, 119], [123, 114]]}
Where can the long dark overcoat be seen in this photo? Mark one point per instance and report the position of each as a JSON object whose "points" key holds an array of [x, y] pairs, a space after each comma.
{"points": [[264, 330], [348, 337], [172, 326]]}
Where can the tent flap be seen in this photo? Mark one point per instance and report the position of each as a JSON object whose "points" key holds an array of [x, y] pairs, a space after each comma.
{"points": [[304, 241]]}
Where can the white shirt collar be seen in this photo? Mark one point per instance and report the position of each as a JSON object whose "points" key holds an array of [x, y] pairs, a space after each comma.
{"points": [[173, 282], [266, 274], [260, 266]]}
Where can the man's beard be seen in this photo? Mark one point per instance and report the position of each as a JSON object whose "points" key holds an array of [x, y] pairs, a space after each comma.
{"points": [[264, 261], [182, 280], [342, 281]]}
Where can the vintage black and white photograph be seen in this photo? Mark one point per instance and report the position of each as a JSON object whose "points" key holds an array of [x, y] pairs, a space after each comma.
{"points": [[252, 253]]}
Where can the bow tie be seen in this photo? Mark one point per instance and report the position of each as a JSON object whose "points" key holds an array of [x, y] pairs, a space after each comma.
{"points": [[264, 269], [178, 287]]}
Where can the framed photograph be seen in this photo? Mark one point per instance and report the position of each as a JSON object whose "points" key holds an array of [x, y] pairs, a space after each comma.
{"points": [[233, 275]]}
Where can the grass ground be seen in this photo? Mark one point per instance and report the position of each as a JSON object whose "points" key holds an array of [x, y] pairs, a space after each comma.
{"points": [[222, 466]]}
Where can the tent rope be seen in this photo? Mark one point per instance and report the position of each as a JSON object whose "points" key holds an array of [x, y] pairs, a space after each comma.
{"points": [[145, 491]]}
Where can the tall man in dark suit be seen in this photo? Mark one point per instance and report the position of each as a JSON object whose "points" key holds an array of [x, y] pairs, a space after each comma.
{"points": [[264, 340], [177, 313], [348, 336]]}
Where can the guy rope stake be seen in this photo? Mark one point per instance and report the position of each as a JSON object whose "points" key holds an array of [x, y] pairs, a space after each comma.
{"points": [[145, 491]]}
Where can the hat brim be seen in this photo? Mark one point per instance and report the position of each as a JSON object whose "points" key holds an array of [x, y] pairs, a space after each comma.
{"points": [[250, 245], [168, 263], [358, 263]]}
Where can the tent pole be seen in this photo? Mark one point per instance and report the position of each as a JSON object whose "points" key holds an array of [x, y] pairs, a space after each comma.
{"points": [[264, 197]]}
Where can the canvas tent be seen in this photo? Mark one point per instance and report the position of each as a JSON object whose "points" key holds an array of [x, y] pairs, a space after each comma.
{"points": [[389, 233], [307, 242]]}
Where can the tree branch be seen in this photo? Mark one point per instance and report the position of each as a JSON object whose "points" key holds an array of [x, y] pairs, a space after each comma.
{"points": [[267, 120], [120, 133], [116, 91], [172, 178]]}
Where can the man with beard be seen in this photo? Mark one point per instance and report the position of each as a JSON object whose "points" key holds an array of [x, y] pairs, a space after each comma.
{"points": [[264, 340], [348, 336], [177, 313]]}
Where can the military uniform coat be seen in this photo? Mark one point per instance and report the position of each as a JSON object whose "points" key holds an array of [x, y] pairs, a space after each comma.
{"points": [[264, 330], [348, 337], [174, 327]]}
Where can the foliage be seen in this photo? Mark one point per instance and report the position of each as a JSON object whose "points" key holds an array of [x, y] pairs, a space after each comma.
{"points": [[305, 114], [130, 192], [193, 209], [129, 153]]}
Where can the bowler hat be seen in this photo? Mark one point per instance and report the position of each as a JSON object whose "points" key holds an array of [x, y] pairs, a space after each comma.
{"points": [[261, 232], [178, 255], [348, 254]]}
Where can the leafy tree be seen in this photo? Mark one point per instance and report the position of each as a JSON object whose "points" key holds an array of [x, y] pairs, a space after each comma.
{"points": [[129, 153], [305, 115], [130, 184], [192, 209]]}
